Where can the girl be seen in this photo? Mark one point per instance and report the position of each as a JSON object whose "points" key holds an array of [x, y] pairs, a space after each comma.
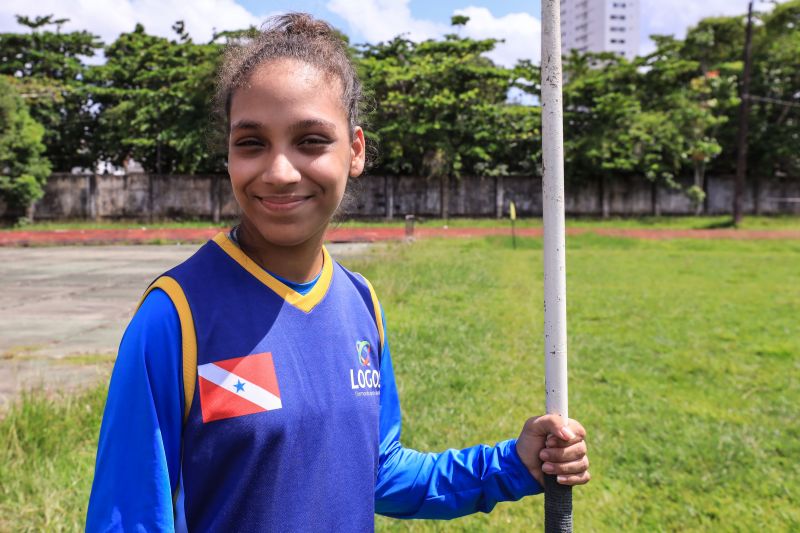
{"points": [[254, 389]]}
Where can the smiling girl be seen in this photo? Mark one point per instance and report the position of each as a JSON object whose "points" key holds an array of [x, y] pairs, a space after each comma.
{"points": [[254, 390]]}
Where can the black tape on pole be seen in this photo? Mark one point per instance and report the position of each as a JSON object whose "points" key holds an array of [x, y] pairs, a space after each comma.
{"points": [[557, 506]]}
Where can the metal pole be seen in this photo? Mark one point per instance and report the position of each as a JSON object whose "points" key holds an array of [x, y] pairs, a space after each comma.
{"points": [[744, 112], [558, 498]]}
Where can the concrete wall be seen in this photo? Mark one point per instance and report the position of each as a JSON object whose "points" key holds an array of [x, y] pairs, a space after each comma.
{"points": [[150, 196]]}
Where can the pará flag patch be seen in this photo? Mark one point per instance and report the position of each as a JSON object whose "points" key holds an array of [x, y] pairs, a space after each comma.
{"points": [[237, 387]]}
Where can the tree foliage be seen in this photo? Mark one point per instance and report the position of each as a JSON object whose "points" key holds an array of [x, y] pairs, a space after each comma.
{"points": [[775, 134], [441, 108], [155, 96], [23, 168], [50, 68]]}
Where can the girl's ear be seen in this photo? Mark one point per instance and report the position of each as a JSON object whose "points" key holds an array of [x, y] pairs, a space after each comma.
{"points": [[357, 153]]}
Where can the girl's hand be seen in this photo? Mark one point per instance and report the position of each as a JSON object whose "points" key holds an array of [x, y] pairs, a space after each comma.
{"points": [[547, 445]]}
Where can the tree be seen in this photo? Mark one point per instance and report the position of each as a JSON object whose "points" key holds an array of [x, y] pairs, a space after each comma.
{"points": [[50, 70], [155, 97], [775, 116], [23, 168], [442, 110]]}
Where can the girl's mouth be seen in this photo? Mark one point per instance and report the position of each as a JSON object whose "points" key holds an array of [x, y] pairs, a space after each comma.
{"points": [[282, 202]]}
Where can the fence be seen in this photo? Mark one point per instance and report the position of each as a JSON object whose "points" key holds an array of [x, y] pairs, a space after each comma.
{"points": [[152, 196]]}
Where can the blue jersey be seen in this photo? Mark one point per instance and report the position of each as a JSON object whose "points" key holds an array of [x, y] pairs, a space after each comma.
{"points": [[290, 419]]}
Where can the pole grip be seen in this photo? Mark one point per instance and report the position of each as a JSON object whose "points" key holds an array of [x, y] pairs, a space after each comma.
{"points": [[557, 506]]}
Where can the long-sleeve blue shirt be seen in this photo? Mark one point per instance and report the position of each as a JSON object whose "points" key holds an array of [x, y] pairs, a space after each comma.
{"points": [[138, 468]]}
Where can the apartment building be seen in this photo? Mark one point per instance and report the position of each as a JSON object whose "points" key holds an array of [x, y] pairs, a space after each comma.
{"points": [[601, 26]]}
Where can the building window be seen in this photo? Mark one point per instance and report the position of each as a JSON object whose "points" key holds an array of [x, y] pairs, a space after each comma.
{"points": [[617, 41], [617, 28], [619, 4], [617, 17]]}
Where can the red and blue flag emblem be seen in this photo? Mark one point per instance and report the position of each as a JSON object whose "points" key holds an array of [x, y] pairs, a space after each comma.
{"points": [[237, 387]]}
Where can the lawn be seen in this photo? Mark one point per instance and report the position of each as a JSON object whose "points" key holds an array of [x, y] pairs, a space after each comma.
{"points": [[684, 367]]}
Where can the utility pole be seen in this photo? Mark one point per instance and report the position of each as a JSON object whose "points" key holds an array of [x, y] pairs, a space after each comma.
{"points": [[744, 112]]}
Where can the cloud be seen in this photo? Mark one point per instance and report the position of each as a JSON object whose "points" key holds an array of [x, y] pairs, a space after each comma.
{"points": [[520, 31], [382, 20], [109, 18]]}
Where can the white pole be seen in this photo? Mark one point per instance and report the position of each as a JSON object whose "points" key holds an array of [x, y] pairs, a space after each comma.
{"points": [[555, 269], [558, 498]]}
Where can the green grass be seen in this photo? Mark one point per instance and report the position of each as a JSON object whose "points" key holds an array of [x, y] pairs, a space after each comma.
{"points": [[47, 449], [681, 222], [678, 222], [702, 222], [684, 367]]}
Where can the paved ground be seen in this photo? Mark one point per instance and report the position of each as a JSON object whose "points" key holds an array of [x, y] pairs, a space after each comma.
{"points": [[198, 235], [63, 309]]}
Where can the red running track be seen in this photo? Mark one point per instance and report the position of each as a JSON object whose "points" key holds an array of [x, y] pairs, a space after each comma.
{"points": [[199, 235]]}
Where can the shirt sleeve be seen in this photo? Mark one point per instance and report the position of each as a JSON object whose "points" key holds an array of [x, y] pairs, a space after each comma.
{"points": [[444, 485], [138, 453]]}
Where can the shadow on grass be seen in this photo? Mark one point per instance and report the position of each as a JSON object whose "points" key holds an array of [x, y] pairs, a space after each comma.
{"points": [[718, 224]]}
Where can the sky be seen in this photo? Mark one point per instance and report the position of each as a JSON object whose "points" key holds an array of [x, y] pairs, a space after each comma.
{"points": [[515, 21]]}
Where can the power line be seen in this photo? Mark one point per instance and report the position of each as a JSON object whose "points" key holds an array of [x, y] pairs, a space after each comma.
{"points": [[769, 100]]}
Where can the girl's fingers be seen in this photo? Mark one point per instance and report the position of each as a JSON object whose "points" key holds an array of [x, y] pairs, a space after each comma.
{"points": [[577, 479], [563, 455], [576, 429], [555, 442], [564, 469]]}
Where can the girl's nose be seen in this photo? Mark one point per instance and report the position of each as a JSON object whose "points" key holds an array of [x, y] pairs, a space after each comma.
{"points": [[280, 171]]}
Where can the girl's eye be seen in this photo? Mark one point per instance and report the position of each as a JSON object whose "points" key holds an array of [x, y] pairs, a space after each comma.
{"points": [[314, 141], [248, 142]]}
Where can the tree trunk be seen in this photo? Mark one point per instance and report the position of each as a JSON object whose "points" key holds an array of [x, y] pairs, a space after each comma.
{"points": [[499, 196], [698, 182], [216, 198], [150, 198], [605, 203], [444, 210], [654, 203], [92, 207], [744, 110], [388, 193], [757, 194]]}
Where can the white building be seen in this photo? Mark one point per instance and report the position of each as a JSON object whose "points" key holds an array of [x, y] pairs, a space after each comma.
{"points": [[601, 26]]}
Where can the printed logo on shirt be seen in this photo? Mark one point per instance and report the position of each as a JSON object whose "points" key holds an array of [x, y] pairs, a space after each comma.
{"points": [[364, 380], [363, 348], [237, 387]]}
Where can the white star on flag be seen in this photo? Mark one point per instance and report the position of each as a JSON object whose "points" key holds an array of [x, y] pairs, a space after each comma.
{"points": [[239, 386]]}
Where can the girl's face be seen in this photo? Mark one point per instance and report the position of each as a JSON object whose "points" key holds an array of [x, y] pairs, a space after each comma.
{"points": [[290, 151]]}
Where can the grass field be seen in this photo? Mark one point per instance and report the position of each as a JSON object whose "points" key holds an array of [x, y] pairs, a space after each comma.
{"points": [[702, 222], [684, 367]]}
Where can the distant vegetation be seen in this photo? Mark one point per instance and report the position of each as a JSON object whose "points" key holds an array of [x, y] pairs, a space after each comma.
{"points": [[440, 107]]}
